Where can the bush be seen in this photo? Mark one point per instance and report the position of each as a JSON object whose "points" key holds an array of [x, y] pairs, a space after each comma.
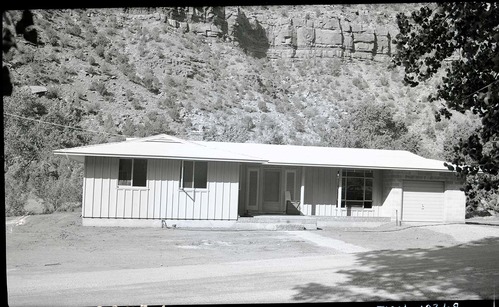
{"points": [[74, 30], [52, 36], [79, 54], [262, 105], [92, 107], [16, 194], [100, 87], [91, 61], [136, 104], [100, 39], [151, 82], [99, 50], [360, 83]]}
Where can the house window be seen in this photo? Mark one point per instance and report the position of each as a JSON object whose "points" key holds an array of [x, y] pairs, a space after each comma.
{"points": [[194, 174], [357, 188], [132, 172]]}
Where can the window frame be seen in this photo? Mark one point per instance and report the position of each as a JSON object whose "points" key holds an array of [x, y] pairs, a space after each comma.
{"points": [[344, 187], [193, 180], [131, 185]]}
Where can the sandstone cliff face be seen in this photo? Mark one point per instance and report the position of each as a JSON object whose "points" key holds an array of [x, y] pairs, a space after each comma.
{"points": [[296, 33], [305, 38]]}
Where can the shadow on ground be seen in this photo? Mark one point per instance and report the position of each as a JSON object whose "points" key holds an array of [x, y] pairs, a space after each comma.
{"points": [[466, 272]]}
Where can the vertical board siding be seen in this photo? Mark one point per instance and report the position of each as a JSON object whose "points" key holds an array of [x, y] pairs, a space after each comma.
{"points": [[218, 190], [97, 187], [102, 198], [88, 184], [113, 184], [105, 201], [320, 191]]}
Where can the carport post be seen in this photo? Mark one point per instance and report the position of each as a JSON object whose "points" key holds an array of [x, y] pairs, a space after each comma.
{"points": [[302, 187]]}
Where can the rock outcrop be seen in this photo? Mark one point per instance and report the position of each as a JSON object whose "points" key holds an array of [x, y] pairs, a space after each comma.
{"points": [[302, 38], [297, 37]]}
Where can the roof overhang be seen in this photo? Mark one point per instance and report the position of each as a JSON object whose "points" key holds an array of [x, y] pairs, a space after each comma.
{"points": [[371, 167], [169, 147], [80, 157]]}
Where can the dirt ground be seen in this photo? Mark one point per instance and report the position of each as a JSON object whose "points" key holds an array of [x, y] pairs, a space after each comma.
{"points": [[58, 242], [54, 260]]}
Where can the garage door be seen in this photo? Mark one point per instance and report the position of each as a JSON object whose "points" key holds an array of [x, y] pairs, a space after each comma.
{"points": [[423, 201]]}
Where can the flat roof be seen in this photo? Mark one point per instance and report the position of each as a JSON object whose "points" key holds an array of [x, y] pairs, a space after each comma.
{"points": [[168, 147]]}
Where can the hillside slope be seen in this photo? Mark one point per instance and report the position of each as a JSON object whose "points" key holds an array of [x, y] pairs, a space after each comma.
{"points": [[316, 75]]}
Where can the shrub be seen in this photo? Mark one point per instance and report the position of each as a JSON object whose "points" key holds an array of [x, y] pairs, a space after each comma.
{"points": [[52, 36], [129, 94], [151, 82], [80, 55], [106, 69], [92, 107], [91, 61], [16, 195], [360, 83], [262, 105], [99, 50], [248, 123], [100, 87], [74, 30], [54, 58], [136, 104], [53, 92], [100, 39]]}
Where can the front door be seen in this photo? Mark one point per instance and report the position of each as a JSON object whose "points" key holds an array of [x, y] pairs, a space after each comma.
{"points": [[272, 202]]}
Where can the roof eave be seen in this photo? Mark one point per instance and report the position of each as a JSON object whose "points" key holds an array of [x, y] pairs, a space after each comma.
{"points": [[360, 167], [70, 154]]}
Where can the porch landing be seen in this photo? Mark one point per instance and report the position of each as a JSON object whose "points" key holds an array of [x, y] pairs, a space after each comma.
{"points": [[300, 222]]}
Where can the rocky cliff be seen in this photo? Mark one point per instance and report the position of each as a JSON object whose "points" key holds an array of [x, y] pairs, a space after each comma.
{"points": [[345, 31]]}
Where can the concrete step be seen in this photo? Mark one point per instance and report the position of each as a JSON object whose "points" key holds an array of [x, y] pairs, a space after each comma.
{"points": [[277, 222]]}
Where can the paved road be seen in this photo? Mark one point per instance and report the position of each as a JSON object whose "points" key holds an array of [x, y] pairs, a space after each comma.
{"points": [[467, 271]]}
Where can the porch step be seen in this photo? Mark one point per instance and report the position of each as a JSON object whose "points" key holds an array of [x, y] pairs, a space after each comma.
{"points": [[300, 222], [277, 222]]}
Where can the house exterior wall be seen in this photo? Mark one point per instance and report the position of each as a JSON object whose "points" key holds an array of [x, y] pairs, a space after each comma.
{"points": [[161, 198], [321, 188], [392, 182]]}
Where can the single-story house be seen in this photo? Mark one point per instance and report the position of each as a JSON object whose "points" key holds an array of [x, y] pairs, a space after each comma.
{"points": [[164, 179]]}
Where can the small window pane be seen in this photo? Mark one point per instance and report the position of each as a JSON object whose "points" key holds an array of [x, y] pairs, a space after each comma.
{"points": [[187, 175], [355, 189], [355, 204], [369, 173], [355, 173], [200, 175], [368, 204], [139, 172], [342, 204], [125, 172]]}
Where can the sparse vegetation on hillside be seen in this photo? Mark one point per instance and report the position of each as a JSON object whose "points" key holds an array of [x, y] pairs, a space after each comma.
{"points": [[132, 73]]}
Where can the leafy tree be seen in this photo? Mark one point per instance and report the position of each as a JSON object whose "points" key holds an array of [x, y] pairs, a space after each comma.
{"points": [[461, 40], [30, 165], [10, 27], [371, 125]]}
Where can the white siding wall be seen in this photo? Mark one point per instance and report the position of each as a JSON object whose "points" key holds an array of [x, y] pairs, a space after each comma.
{"points": [[162, 198], [320, 191]]}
